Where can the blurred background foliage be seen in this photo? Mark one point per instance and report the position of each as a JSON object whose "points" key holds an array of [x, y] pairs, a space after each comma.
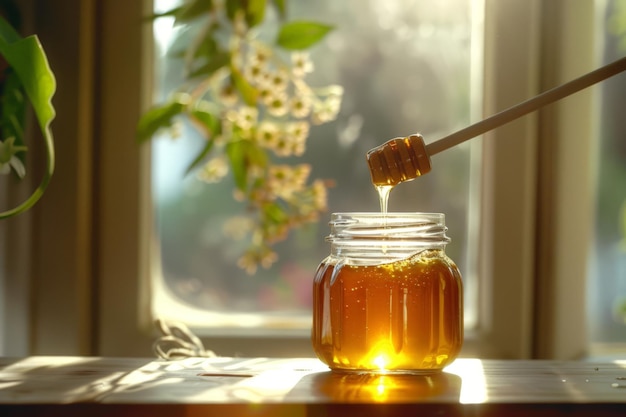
{"points": [[247, 97]]}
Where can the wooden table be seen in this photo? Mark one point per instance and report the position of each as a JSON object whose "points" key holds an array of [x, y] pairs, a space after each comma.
{"points": [[92, 386]]}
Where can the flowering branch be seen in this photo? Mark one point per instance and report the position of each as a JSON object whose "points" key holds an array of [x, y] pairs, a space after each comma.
{"points": [[251, 103]]}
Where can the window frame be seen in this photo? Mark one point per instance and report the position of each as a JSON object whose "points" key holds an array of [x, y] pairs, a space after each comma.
{"points": [[567, 181], [508, 181]]}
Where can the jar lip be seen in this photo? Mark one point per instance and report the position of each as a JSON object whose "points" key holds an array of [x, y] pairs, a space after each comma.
{"points": [[389, 213], [389, 216]]}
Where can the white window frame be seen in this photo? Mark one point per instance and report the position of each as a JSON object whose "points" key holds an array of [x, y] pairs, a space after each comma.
{"points": [[568, 143], [91, 237]]}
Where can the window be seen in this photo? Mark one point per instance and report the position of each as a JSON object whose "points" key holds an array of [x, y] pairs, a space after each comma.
{"points": [[87, 249], [389, 58]]}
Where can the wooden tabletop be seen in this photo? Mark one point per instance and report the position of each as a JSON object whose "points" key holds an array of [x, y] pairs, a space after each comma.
{"points": [[93, 386]]}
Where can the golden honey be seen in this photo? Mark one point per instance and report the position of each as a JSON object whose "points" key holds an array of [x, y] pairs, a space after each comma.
{"points": [[387, 299]]}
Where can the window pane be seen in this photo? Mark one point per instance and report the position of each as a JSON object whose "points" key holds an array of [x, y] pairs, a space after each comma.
{"points": [[607, 283], [406, 67]]}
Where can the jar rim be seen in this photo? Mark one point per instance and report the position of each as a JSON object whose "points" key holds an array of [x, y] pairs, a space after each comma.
{"points": [[398, 226], [372, 216], [389, 213]]}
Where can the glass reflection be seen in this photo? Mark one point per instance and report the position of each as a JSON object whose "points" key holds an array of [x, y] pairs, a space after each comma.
{"points": [[386, 388]]}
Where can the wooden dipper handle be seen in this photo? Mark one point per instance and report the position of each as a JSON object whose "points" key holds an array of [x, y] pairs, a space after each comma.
{"points": [[526, 107]]}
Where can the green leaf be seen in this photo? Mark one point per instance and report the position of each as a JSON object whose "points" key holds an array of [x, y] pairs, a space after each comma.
{"points": [[171, 12], [255, 12], [192, 10], [217, 61], [301, 34], [257, 155], [203, 55], [29, 62], [27, 58], [275, 214], [13, 108], [242, 154], [210, 121], [234, 6], [237, 155], [8, 149], [248, 93], [206, 150], [213, 125], [206, 47], [160, 117], [281, 6]]}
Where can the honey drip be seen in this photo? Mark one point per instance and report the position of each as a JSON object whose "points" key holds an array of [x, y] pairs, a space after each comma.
{"points": [[383, 197]]}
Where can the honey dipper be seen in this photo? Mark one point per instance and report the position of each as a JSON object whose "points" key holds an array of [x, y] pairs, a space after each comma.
{"points": [[404, 159]]}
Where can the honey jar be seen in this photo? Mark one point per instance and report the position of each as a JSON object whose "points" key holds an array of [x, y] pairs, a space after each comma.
{"points": [[387, 299]]}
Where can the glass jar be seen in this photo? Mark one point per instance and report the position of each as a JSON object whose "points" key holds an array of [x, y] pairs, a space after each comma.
{"points": [[388, 298]]}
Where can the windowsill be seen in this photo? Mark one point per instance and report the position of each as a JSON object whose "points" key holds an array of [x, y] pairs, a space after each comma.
{"points": [[92, 386]]}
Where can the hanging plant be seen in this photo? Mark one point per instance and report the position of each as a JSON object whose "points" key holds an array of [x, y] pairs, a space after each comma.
{"points": [[251, 103], [27, 78]]}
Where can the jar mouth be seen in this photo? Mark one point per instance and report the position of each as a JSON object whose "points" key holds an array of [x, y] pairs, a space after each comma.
{"points": [[404, 231], [389, 218]]}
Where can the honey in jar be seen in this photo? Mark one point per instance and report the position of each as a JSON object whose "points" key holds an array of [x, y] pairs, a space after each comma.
{"points": [[388, 298]]}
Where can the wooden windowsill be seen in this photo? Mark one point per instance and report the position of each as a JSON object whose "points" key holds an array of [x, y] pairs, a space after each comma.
{"points": [[94, 386]]}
